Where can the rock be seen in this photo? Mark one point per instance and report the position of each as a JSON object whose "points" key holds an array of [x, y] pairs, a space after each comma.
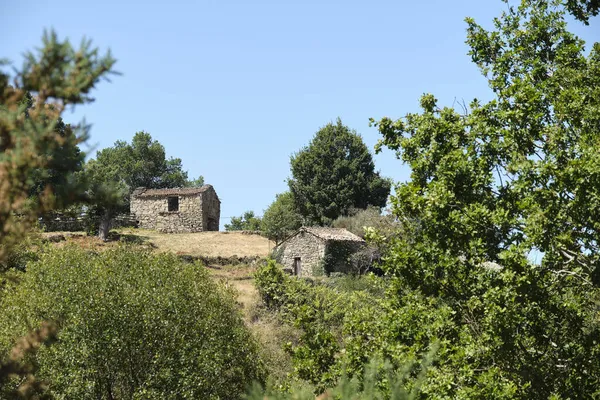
{"points": [[55, 238]]}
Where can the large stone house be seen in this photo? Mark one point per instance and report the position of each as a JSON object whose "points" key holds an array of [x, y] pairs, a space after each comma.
{"points": [[177, 210], [317, 250]]}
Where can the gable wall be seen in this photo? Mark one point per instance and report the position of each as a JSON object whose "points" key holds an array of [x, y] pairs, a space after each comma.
{"points": [[211, 210], [308, 247]]}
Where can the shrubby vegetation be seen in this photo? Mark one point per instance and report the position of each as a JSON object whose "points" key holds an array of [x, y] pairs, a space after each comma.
{"points": [[490, 185], [358, 219], [320, 311], [132, 325], [246, 222], [509, 339]]}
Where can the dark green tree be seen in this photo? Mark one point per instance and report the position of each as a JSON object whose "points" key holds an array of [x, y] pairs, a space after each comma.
{"points": [[64, 160], [60, 174], [281, 218], [246, 222], [335, 173], [143, 163]]}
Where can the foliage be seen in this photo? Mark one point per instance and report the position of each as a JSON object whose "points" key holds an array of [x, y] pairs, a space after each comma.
{"points": [[489, 186], [64, 161], [21, 253], [281, 218], [320, 312], [269, 279], [334, 174], [13, 367], [142, 163], [246, 222], [132, 325], [198, 182], [30, 109], [366, 388], [338, 257], [357, 220], [583, 9], [35, 147]]}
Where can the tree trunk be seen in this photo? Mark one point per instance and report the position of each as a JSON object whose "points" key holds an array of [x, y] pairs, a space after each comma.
{"points": [[104, 228]]}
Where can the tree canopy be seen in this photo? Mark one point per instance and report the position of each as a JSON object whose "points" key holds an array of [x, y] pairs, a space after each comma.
{"points": [[281, 218], [245, 222], [31, 104], [133, 325], [142, 162], [334, 174]]}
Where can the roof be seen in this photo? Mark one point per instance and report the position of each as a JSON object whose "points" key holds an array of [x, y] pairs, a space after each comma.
{"points": [[333, 234], [143, 192]]}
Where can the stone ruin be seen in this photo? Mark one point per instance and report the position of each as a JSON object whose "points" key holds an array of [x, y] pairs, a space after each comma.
{"points": [[305, 252], [177, 210]]}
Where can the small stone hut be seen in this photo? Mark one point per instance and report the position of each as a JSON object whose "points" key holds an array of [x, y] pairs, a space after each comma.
{"points": [[177, 210], [313, 251]]}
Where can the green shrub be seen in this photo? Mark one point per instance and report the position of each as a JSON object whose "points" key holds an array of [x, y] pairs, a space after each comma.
{"points": [[364, 387], [320, 310], [269, 280], [132, 326], [21, 253]]}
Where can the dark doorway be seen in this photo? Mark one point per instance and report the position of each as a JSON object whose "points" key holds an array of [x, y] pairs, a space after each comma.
{"points": [[297, 266], [212, 225]]}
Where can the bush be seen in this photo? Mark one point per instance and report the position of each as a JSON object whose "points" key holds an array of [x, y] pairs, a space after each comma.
{"points": [[321, 310], [358, 219], [132, 325], [24, 251]]}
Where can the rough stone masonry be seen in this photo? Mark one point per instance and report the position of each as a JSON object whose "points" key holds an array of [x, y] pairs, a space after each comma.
{"points": [[177, 210]]}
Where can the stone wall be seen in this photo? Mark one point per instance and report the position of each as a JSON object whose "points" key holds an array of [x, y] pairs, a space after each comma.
{"points": [[211, 207], [308, 247], [58, 222], [153, 213]]}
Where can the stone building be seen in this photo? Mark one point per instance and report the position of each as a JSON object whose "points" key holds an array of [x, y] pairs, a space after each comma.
{"points": [[177, 210], [315, 251]]}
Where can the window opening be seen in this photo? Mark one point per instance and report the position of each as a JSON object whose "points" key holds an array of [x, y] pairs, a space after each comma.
{"points": [[173, 203]]}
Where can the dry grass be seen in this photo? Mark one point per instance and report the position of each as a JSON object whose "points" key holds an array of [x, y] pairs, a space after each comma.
{"points": [[210, 244], [265, 325], [240, 278]]}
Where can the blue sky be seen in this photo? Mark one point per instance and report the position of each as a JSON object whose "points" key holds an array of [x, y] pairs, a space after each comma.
{"points": [[233, 88]]}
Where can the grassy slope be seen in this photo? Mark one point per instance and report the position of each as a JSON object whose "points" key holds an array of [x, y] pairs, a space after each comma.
{"points": [[210, 244], [213, 244]]}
